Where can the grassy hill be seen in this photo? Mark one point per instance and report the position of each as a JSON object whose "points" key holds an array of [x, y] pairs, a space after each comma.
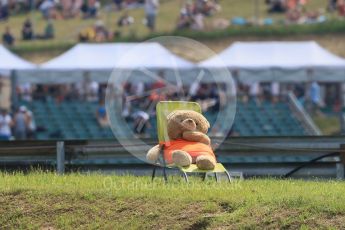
{"points": [[67, 30], [47, 201]]}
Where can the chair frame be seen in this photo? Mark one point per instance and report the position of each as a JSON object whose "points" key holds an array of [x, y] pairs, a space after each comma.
{"points": [[164, 166]]}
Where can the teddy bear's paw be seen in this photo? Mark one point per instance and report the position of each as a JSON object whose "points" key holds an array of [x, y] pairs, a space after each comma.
{"points": [[153, 154], [205, 162], [181, 158]]}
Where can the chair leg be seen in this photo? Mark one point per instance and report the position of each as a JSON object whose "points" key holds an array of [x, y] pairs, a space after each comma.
{"points": [[216, 176], [154, 173], [165, 175], [185, 176], [228, 176], [205, 175]]}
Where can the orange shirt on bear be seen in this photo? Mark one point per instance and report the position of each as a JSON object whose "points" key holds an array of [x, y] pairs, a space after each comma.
{"points": [[195, 149]]}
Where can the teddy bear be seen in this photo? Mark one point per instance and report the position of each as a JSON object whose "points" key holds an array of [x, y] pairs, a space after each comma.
{"points": [[188, 141]]}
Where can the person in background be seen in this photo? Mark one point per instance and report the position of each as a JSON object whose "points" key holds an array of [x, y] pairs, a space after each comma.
{"points": [[141, 122], [151, 10], [341, 7], [25, 92], [27, 30], [5, 125], [125, 20], [4, 10], [90, 8], [31, 129], [315, 97], [101, 32], [160, 83], [255, 91], [7, 37], [275, 91], [20, 123], [48, 31], [101, 115], [47, 8], [118, 4]]}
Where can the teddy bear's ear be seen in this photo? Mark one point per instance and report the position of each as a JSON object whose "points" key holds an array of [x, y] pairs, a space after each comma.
{"points": [[170, 115], [207, 123]]}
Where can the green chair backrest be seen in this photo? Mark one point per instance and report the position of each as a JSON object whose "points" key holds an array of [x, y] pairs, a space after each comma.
{"points": [[164, 108]]}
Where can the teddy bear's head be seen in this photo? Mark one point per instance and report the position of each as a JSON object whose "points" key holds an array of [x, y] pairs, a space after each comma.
{"points": [[180, 121]]}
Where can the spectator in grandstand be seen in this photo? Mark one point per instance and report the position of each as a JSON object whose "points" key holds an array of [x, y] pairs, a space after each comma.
{"points": [[151, 10], [7, 37], [125, 20], [160, 82], [5, 125], [90, 8], [186, 16], [4, 10], [276, 6], [275, 91], [207, 7], [97, 33], [87, 34], [118, 4], [294, 16], [255, 91], [48, 31], [71, 8], [48, 9], [20, 124], [138, 88], [101, 33], [27, 30], [39, 93], [101, 115], [341, 7], [25, 92], [31, 129], [92, 88], [141, 122], [332, 5], [315, 97]]}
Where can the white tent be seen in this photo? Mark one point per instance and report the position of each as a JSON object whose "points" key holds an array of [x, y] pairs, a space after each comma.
{"points": [[10, 61], [116, 55], [99, 60], [280, 61]]}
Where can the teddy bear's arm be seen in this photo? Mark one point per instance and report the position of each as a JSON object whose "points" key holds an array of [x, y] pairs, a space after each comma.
{"points": [[197, 137], [153, 154]]}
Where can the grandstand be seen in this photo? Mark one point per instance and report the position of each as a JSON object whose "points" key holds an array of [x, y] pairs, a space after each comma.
{"points": [[77, 120]]}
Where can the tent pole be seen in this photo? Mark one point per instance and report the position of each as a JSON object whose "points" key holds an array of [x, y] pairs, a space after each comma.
{"points": [[14, 96]]}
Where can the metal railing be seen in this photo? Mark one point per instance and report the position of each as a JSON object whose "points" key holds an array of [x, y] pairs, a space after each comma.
{"points": [[254, 156], [303, 115]]}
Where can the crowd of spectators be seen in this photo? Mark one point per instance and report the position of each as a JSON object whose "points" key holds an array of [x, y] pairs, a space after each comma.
{"points": [[27, 33], [192, 15], [296, 10], [193, 12], [139, 99], [19, 125]]}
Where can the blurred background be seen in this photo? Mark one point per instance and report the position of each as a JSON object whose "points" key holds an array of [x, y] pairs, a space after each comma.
{"points": [[286, 58]]}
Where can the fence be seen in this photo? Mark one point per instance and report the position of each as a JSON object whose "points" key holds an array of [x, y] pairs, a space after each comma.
{"points": [[314, 156]]}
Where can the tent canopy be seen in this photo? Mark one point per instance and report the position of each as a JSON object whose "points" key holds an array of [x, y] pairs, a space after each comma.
{"points": [[98, 61], [280, 61], [10, 61], [108, 56]]}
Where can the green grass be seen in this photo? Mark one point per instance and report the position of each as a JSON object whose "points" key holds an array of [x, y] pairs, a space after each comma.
{"points": [[329, 125], [45, 200]]}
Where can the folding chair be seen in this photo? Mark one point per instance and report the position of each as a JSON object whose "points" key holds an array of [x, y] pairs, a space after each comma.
{"points": [[162, 111]]}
